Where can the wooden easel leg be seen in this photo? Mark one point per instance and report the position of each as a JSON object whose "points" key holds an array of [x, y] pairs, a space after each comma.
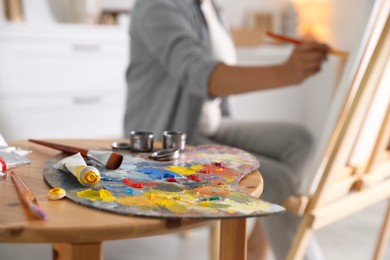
{"points": [[214, 236], [233, 239], [299, 246], [383, 236], [85, 251]]}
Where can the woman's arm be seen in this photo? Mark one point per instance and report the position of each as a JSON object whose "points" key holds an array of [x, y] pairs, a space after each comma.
{"points": [[305, 61]]}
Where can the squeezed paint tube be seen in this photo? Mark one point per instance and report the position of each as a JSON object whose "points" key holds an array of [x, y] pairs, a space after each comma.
{"points": [[88, 176], [10, 159], [2, 141], [14, 149]]}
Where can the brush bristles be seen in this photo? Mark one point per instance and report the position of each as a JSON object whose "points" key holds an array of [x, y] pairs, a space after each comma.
{"points": [[114, 161], [37, 211]]}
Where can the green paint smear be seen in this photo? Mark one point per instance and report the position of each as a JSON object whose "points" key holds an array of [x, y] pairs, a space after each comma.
{"points": [[240, 197], [171, 187], [214, 205], [212, 198]]}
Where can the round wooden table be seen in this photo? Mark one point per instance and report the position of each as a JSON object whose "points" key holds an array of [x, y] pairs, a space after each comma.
{"points": [[77, 232]]}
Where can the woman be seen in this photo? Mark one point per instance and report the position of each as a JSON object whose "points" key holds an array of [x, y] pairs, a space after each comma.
{"points": [[181, 73]]}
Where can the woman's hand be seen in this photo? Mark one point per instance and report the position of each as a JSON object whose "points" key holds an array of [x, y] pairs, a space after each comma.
{"points": [[305, 61]]}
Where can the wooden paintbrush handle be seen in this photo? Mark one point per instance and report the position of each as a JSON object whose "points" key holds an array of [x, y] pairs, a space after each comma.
{"points": [[64, 148], [284, 38]]}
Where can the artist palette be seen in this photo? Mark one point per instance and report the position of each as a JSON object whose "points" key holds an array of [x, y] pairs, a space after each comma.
{"points": [[201, 184]]}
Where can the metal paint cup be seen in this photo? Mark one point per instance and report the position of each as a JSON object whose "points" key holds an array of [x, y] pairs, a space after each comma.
{"points": [[176, 140], [141, 141]]}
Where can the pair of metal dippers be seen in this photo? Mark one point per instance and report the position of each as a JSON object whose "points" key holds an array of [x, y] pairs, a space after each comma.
{"points": [[173, 143]]}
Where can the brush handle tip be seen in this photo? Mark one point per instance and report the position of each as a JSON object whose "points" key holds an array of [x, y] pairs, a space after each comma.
{"points": [[37, 211]]}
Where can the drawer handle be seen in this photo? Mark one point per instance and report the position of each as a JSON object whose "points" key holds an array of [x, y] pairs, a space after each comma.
{"points": [[86, 100], [86, 47]]}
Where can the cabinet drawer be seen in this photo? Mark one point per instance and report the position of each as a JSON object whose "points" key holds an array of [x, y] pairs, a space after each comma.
{"points": [[66, 115], [29, 68]]}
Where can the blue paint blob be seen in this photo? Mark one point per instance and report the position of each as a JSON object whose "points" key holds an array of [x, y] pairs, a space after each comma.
{"points": [[209, 177], [113, 188], [105, 178], [148, 164], [129, 191], [158, 174]]}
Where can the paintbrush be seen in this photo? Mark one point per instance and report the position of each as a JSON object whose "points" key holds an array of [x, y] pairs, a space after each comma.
{"points": [[27, 196], [284, 38], [111, 160]]}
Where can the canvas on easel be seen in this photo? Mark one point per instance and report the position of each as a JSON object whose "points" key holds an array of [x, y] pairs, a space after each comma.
{"points": [[351, 168]]}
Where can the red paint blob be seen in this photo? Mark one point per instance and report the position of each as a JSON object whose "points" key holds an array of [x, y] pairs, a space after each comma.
{"points": [[136, 184], [171, 180], [206, 170], [193, 177]]}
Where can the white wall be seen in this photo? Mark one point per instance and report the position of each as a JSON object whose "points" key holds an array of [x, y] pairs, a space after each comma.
{"points": [[238, 11], [307, 104]]}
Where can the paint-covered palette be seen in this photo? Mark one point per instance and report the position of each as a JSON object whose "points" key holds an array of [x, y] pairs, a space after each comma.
{"points": [[201, 184]]}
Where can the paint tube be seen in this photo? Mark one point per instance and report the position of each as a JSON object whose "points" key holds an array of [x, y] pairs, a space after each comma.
{"points": [[88, 176], [14, 149], [2, 141], [9, 160]]}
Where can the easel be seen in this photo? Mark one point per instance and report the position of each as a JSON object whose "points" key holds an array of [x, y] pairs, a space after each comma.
{"points": [[353, 169]]}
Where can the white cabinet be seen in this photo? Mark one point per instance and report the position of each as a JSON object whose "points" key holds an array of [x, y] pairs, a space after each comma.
{"points": [[62, 81]]}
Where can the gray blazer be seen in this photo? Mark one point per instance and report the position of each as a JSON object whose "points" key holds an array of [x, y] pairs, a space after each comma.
{"points": [[171, 63]]}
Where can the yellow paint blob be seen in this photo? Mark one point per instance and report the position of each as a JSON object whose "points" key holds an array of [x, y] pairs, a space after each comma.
{"points": [[94, 195], [185, 170], [163, 195], [204, 203], [137, 201], [249, 208], [173, 201], [171, 205], [56, 193]]}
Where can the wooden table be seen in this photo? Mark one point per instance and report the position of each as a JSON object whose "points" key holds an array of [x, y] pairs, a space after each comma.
{"points": [[77, 232]]}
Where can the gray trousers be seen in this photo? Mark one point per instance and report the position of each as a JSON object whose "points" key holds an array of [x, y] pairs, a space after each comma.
{"points": [[282, 150]]}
